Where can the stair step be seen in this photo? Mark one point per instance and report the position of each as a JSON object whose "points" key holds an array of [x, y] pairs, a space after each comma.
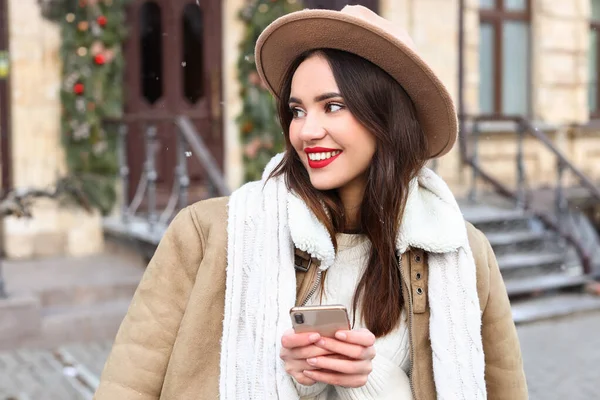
{"points": [[81, 323], [553, 306], [522, 265], [525, 260], [507, 238], [89, 293], [490, 219], [483, 214], [521, 286], [509, 242]]}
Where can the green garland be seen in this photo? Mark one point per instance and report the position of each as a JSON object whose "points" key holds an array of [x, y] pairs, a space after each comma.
{"points": [[260, 130], [92, 80]]}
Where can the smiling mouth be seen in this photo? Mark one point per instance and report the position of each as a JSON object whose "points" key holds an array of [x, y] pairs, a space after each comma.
{"points": [[322, 159], [323, 155]]}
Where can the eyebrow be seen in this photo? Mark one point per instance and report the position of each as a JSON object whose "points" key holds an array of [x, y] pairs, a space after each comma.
{"points": [[317, 99]]}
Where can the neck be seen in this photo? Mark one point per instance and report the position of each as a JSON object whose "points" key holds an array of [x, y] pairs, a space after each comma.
{"points": [[352, 196]]}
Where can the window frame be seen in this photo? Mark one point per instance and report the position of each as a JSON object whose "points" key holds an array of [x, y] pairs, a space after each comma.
{"points": [[496, 18], [595, 26]]}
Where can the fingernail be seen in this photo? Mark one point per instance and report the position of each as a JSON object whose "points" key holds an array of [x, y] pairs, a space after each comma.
{"points": [[307, 372], [322, 342], [314, 337], [311, 361], [341, 335]]}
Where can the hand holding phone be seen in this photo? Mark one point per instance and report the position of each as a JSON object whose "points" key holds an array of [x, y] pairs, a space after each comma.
{"points": [[325, 320], [310, 325], [347, 354]]}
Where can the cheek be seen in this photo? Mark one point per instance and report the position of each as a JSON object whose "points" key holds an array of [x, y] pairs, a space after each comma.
{"points": [[295, 140], [293, 132]]}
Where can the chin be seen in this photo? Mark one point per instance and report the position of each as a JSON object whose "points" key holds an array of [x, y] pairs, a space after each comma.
{"points": [[324, 184]]}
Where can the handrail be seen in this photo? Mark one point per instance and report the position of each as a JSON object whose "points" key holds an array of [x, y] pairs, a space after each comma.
{"points": [[542, 137], [526, 127], [189, 142], [202, 154], [582, 253], [587, 182]]}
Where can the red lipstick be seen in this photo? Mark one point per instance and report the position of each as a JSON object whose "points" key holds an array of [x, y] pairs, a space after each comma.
{"points": [[320, 163]]}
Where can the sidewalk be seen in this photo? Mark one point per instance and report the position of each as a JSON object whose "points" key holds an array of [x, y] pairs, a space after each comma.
{"points": [[562, 361], [562, 357]]}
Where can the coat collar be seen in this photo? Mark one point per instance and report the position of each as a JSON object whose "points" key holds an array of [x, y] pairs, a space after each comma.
{"points": [[432, 220]]}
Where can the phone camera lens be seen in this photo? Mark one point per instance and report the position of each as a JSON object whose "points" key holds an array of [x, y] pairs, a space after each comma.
{"points": [[299, 318]]}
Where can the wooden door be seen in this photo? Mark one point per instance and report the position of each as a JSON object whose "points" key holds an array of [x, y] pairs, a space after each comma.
{"points": [[5, 112], [339, 4], [173, 67]]}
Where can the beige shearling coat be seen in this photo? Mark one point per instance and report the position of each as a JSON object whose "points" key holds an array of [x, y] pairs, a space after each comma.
{"points": [[168, 346]]}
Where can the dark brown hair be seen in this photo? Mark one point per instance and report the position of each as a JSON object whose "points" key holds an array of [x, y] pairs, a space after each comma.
{"points": [[382, 106]]}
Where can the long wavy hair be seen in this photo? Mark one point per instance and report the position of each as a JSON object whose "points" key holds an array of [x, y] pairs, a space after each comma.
{"points": [[382, 106]]}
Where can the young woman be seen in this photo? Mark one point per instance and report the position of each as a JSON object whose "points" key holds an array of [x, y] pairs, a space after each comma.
{"points": [[347, 214]]}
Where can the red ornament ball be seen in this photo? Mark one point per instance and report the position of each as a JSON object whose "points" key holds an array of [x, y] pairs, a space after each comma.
{"points": [[102, 20], [78, 88], [100, 59]]}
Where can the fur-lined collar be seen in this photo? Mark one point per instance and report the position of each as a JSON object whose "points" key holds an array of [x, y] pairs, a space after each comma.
{"points": [[432, 220]]}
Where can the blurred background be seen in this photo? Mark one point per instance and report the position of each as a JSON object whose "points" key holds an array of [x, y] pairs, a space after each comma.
{"points": [[115, 114]]}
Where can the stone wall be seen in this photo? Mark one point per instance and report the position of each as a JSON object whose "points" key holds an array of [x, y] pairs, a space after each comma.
{"points": [[560, 46], [38, 157], [35, 79], [436, 39], [560, 31], [233, 32]]}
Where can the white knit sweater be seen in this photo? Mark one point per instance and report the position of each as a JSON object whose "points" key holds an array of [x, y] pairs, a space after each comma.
{"points": [[392, 362], [266, 222]]}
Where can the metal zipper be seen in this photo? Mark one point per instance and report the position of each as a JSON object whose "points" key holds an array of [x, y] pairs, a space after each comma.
{"points": [[314, 288], [410, 335]]}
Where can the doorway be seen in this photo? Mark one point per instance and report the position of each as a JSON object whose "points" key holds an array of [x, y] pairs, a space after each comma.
{"points": [[173, 67]]}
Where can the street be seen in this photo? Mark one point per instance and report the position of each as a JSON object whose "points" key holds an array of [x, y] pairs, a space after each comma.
{"points": [[562, 357], [562, 361]]}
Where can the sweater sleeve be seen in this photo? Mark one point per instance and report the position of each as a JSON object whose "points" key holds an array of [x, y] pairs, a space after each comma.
{"points": [[309, 391], [386, 381]]}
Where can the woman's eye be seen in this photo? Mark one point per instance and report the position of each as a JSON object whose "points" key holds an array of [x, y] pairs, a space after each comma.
{"points": [[333, 107], [297, 112]]}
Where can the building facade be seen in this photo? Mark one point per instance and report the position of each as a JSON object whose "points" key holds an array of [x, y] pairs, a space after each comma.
{"points": [[535, 58]]}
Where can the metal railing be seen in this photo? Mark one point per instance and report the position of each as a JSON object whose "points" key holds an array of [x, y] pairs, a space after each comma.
{"points": [[189, 143], [557, 219]]}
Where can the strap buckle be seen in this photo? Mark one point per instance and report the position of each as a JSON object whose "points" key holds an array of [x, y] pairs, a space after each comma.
{"points": [[299, 263]]}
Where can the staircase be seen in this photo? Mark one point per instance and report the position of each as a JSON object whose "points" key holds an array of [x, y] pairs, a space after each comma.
{"points": [[543, 275], [55, 301]]}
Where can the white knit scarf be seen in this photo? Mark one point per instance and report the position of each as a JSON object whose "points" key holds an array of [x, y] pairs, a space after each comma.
{"points": [[266, 222]]}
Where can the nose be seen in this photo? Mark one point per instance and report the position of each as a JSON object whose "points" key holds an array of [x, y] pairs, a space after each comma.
{"points": [[312, 129]]}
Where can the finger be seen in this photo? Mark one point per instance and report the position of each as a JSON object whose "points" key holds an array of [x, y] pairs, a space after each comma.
{"points": [[303, 379], [294, 340], [297, 366], [333, 378], [353, 351], [344, 366], [362, 337], [308, 352]]}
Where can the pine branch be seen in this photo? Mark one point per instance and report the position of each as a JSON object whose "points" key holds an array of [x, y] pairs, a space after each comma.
{"points": [[18, 202]]}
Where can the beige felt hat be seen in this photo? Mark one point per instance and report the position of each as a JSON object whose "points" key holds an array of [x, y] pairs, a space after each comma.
{"points": [[358, 30]]}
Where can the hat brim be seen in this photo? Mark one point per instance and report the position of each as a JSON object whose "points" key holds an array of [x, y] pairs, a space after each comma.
{"points": [[291, 35]]}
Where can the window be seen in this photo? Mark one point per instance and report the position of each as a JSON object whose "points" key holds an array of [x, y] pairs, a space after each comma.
{"points": [[151, 48], [504, 57], [339, 4], [593, 64], [193, 53]]}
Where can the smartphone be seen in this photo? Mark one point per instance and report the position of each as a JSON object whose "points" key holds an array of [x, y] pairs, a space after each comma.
{"points": [[326, 320]]}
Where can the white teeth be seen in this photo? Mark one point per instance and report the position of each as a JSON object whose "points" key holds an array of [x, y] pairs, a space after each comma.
{"points": [[323, 156]]}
